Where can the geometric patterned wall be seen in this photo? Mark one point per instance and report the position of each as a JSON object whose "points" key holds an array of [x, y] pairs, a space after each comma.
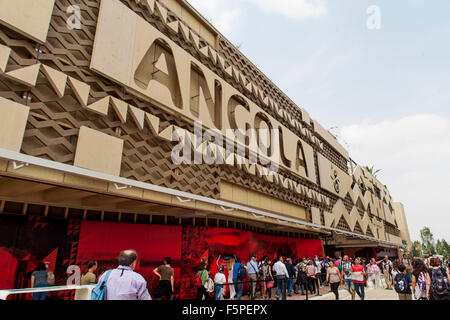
{"points": [[63, 94]]}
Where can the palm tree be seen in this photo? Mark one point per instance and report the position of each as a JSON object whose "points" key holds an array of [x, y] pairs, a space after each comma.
{"points": [[373, 171]]}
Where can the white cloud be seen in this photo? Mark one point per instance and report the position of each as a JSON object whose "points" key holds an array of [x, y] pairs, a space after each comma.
{"points": [[414, 155], [226, 15], [223, 16], [296, 9]]}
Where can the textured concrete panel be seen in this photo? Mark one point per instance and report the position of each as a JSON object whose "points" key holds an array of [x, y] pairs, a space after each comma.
{"points": [[116, 25], [98, 151], [26, 76], [41, 174], [81, 90], [157, 197], [28, 17], [57, 79], [315, 213], [84, 182], [3, 164], [333, 178], [13, 121], [330, 139], [4, 57]]}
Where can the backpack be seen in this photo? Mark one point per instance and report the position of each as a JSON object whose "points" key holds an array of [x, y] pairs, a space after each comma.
{"points": [[242, 273], [439, 282], [99, 292], [261, 271], [373, 269], [402, 284], [422, 281], [198, 280], [209, 285]]}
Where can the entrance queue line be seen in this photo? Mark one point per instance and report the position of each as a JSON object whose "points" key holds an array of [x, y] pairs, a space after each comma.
{"points": [[425, 280]]}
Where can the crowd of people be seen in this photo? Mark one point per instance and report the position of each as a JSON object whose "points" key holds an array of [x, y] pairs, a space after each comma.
{"points": [[419, 279]]}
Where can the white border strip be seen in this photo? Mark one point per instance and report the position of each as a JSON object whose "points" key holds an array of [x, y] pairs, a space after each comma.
{"points": [[20, 157]]}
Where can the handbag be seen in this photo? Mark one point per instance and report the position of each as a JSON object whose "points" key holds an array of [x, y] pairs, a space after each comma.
{"points": [[50, 278], [357, 276], [270, 284]]}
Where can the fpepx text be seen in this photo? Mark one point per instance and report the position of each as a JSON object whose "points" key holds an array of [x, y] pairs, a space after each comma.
{"points": [[246, 309]]}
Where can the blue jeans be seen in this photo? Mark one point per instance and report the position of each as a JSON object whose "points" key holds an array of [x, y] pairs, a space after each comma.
{"points": [[290, 284], [219, 292], [359, 288], [350, 284], [238, 286], [281, 287], [40, 295]]}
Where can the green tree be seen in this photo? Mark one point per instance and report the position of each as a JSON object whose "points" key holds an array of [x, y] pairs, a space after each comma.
{"points": [[447, 249], [429, 246], [442, 248], [427, 238], [439, 247], [416, 249], [373, 171]]}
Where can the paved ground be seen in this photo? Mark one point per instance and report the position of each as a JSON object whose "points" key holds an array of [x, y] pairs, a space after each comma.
{"points": [[326, 294], [371, 294]]}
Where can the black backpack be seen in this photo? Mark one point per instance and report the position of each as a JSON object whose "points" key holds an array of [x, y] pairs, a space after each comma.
{"points": [[402, 285], [242, 273], [439, 282]]}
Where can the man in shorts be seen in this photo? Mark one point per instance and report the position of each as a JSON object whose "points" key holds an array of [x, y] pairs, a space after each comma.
{"points": [[347, 276], [387, 271]]}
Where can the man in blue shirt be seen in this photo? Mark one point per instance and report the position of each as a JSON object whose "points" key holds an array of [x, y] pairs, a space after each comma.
{"points": [[252, 267], [238, 283]]}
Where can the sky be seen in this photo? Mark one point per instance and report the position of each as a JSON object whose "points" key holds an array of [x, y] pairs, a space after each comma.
{"points": [[376, 73]]}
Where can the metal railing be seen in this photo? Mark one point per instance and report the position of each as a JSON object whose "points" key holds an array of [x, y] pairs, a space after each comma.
{"points": [[295, 280], [81, 292]]}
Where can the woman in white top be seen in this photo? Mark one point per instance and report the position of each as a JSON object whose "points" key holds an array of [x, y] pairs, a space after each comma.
{"points": [[419, 280], [374, 272], [219, 281]]}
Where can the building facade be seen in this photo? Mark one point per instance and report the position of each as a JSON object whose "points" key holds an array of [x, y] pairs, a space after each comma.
{"points": [[400, 217], [136, 124]]}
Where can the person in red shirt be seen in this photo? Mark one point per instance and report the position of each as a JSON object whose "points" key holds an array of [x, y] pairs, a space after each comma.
{"points": [[358, 277]]}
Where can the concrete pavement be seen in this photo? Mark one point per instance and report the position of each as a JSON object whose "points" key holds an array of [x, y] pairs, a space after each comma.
{"points": [[326, 294], [371, 294]]}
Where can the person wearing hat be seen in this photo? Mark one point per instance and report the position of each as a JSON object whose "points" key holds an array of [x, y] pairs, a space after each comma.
{"points": [[219, 281]]}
